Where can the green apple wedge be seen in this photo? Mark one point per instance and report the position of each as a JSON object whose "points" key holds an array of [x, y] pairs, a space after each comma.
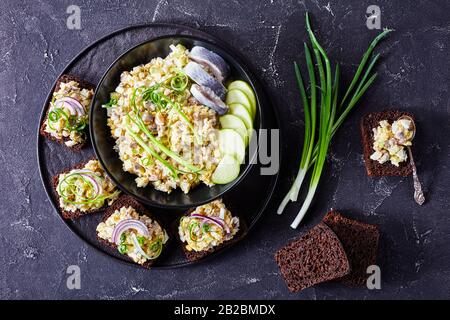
{"points": [[238, 96], [230, 121], [242, 113], [230, 142], [226, 171], [246, 88]]}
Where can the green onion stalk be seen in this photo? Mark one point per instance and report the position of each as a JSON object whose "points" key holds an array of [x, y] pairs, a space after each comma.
{"points": [[332, 112]]}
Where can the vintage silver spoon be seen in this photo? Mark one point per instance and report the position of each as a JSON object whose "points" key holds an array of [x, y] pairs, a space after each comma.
{"points": [[418, 193]]}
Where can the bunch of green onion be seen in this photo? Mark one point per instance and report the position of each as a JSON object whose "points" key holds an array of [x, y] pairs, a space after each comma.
{"points": [[331, 115]]}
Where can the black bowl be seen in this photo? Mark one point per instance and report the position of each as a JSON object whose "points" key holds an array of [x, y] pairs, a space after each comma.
{"points": [[103, 142]]}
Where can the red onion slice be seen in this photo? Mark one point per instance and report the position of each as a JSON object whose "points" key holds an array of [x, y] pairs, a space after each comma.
{"points": [[216, 221], [92, 178], [71, 104], [97, 187], [127, 224], [75, 103], [63, 105]]}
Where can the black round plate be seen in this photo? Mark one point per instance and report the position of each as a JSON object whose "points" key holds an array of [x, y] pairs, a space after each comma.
{"points": [[249, 198], [103, 142]]}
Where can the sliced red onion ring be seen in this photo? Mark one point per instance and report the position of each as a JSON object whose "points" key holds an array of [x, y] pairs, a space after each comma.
{"points": [[139, 248], [71, 104], [127, 224], [77, 104], [97, 187], [65, 105], [91, 177], [216, 221]]}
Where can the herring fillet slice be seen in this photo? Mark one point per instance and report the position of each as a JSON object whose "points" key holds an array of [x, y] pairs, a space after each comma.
{"points": [[195, 71], [208, 98], [212, 60]]}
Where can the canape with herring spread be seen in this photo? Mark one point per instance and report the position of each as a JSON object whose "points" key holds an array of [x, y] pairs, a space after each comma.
{"points": [[390, 141], [85, 189], [207, 226], [68, 113], [137, 236]]}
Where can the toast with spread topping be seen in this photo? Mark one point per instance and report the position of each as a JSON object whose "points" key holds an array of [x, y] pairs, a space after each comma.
{"points": [[126, 201], [77, 212], [199, 251], [66, 140], [373, 167]]}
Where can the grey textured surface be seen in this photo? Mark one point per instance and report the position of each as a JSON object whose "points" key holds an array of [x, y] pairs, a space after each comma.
{"points": [[36, 248]]}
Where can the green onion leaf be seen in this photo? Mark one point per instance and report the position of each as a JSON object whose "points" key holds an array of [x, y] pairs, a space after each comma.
{"points": [[112, 102]]}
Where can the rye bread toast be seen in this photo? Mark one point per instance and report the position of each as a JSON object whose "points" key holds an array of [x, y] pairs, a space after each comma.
{"points": [[78, 213], [127, 201], [374, 168], [360, 241], [83, 84], [197, 255], [317, 256]]}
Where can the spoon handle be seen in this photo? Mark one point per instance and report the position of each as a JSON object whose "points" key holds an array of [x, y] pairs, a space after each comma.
{"points": [[418, 193]]}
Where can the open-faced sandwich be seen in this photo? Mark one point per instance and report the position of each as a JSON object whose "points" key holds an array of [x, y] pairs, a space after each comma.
{"points": [[176, 125], [68, 113], [208, 228], [386, 135], [84, 189], [128, 227]]}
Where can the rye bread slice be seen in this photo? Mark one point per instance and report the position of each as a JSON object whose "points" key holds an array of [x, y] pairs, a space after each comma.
{"points": [[315, 257], [128, 201], [78, 213], [374, 168], [360, 241], [197, 255], [63, 79]]}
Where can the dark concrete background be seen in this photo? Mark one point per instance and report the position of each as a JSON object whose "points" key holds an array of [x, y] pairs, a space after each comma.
{"points": [[36, 248]]}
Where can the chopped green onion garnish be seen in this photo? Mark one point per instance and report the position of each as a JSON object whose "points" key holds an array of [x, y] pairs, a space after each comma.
{"points": [[179, 82], [147, 161], [123, 248], [206, 227], [112, 102], [141, 240]]}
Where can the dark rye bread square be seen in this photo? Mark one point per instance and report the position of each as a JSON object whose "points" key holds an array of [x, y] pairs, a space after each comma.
{"points": [[128, 201], [63, 79], [374, 168], [315, 257], [360, 241], [197, 255], [78, 213]]}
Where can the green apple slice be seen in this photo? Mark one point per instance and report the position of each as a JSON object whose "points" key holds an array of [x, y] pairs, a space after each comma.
{"points": [[238, 96], [242, 113], [230, 121], [227, 170], [246, 88], [230, 142]]}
